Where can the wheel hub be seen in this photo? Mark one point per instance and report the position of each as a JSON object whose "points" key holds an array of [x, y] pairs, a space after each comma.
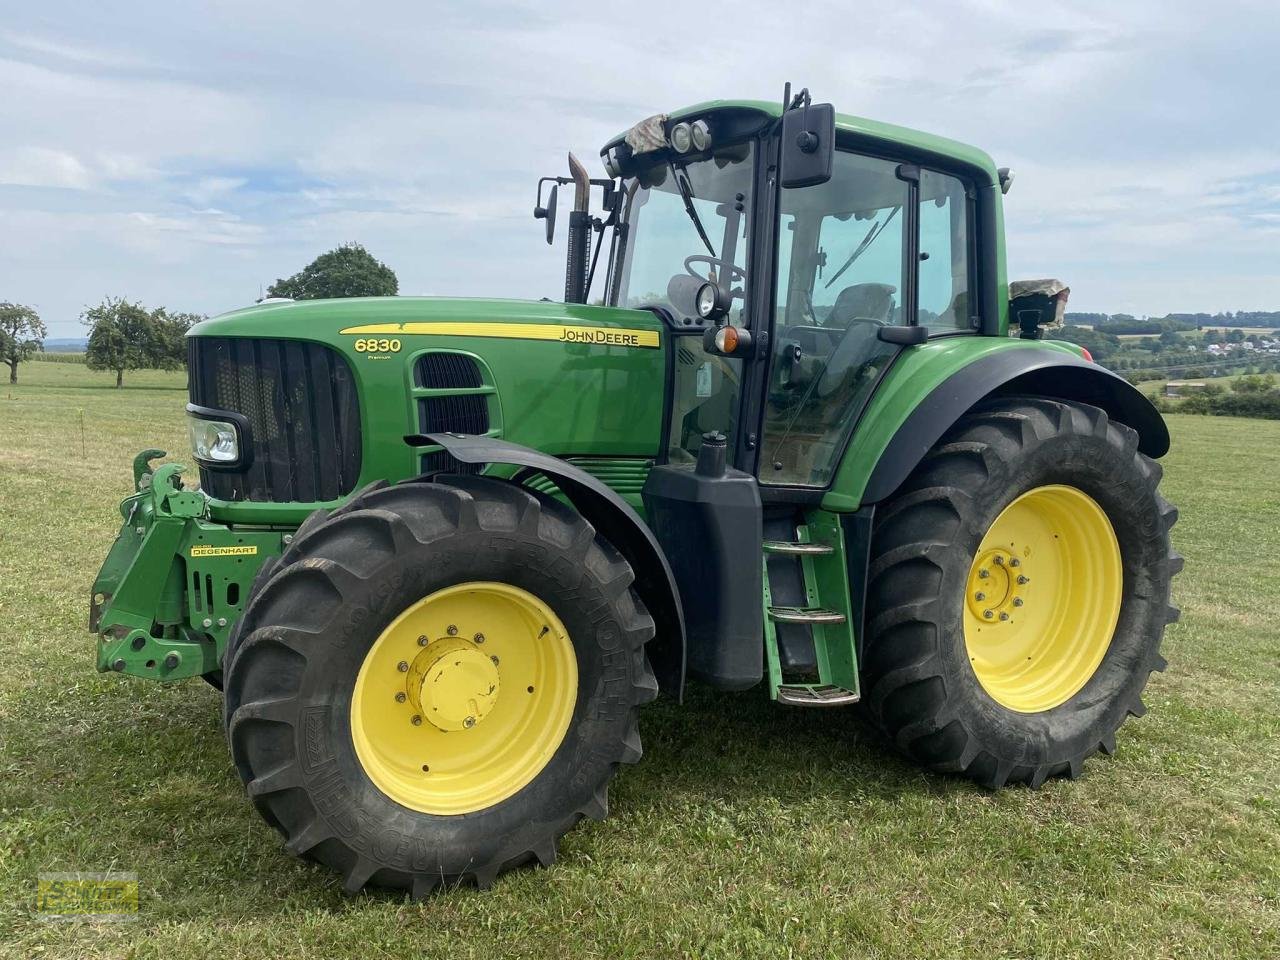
{"points": [[453, 684], [999, 582]]}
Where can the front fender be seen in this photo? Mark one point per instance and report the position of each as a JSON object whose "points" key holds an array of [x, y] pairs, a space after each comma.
{"points": [[925, 394], [617, 522]]}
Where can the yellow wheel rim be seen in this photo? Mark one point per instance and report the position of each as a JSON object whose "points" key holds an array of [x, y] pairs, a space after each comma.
{"points": [[464, 698], [1042, 598]]}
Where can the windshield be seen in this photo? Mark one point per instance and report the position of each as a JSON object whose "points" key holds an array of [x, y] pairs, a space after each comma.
{"points": [[662, 238]]}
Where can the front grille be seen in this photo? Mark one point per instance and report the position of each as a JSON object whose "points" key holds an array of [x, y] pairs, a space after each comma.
{"points": [[303, 412]]}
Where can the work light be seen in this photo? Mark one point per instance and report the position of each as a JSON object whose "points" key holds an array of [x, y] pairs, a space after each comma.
{"points": [[214, 441], [701, 135], [681, 138], [706, 300]]}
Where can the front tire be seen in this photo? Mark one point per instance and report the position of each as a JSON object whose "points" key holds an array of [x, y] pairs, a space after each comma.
{"points": [[1018, 593], [436, 682]]}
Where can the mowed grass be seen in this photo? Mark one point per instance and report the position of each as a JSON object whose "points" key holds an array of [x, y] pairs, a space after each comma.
{"points": [[747, 830]]}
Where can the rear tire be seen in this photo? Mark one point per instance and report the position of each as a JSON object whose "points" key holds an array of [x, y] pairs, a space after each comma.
{"points": [[340, 589], [926, 682]]}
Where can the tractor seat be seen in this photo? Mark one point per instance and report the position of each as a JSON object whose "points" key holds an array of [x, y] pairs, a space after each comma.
{"points": [[870, 301]]}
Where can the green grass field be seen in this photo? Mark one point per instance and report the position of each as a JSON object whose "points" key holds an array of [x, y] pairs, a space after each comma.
{"points": [[748, 829]]}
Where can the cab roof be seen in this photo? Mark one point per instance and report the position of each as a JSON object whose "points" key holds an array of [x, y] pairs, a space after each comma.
{"points": [[888, 135]]}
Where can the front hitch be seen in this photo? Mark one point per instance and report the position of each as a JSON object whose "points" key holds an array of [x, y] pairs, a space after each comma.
{"points": [[174, 583]]}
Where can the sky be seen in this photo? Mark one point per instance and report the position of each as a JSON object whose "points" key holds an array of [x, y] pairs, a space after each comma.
{"points": [[187, 155]]}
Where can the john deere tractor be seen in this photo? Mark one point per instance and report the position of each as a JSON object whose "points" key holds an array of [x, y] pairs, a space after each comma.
{"points": [[791, 428]]}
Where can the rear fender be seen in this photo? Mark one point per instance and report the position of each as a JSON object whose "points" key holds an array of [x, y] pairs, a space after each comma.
{"points": [[1014, 368]]}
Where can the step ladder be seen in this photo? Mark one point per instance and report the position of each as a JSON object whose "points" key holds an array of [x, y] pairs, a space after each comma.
{"points": [[819, 549]]}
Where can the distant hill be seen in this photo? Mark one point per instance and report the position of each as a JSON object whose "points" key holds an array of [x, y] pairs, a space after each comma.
{"points": [[66, 345], [1126, 323]]}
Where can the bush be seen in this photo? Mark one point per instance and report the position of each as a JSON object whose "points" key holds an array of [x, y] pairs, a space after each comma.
{"points": [[1259, 404]]}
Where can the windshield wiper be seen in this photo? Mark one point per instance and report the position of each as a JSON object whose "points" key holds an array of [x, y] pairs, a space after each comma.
{"points": [[875, 231], [686, 194]]}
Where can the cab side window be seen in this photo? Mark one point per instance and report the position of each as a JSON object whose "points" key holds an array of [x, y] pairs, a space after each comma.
{"points": [[945, 261]]}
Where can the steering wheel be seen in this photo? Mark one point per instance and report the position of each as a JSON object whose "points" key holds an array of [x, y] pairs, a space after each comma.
{"points": [[736, 273], [849, 355]]}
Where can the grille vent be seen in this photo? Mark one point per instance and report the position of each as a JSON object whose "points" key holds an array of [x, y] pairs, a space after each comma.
{"points": [[445, 371], [471, 410]]}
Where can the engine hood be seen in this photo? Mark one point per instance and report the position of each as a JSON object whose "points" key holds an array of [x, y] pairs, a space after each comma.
{"points": [[571, 380], [333, 321]]}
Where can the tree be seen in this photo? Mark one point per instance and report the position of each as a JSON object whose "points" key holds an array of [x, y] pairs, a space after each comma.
{"points": [[22, 333], [123, 336], [171, 335], [348, 271]]}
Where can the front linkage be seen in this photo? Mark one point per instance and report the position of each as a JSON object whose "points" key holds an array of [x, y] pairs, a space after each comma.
{"points": [[173, 583]]}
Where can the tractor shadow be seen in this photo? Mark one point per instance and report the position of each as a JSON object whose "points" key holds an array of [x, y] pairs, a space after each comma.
{"points": [[719, 745]]}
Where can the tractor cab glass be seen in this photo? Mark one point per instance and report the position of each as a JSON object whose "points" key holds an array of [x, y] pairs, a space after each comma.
{"points": [[690, 217], [841, 273], [844, 263]]}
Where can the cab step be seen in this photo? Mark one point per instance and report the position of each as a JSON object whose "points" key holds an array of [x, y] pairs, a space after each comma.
{"points": [[798, 549], [810, 648], [805, 615], [815, 695]]}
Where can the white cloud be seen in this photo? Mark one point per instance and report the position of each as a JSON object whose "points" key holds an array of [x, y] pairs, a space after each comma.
{"points": [[210, 149], [32, 166]]}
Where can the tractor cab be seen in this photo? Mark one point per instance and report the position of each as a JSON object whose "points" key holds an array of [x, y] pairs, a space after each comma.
{"points": [[789, 296]]}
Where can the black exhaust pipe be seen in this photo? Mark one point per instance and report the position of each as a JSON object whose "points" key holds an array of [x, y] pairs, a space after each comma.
{"points": [[575, 280]]}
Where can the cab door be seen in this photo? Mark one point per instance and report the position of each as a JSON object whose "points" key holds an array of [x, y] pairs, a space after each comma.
{"points": [[881, 245]]}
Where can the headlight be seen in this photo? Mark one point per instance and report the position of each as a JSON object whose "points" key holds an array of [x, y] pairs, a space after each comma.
{"points": [[214, 441], [681, 138]]}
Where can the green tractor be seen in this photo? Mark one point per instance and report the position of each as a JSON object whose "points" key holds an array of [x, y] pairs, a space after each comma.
{"points": [[443, 550]]}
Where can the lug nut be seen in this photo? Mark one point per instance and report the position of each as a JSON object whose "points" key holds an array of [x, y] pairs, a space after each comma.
{"points": [[171, 660], [478, 638], [416, 721], [422, 641], [495, 660], [1017, 601], [207, 622], [1023, 579], [403, 666], [469, 722], [1003, 615], [222, 621], [452, 631], [401, 697], [287, 539], [988, 614], [979, 595], [998, 560], [984, 573], [1015, 562]]}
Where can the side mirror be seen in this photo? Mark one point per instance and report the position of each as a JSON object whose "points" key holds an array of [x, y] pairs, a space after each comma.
{"points": [[808, 145], [548, 213]]}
